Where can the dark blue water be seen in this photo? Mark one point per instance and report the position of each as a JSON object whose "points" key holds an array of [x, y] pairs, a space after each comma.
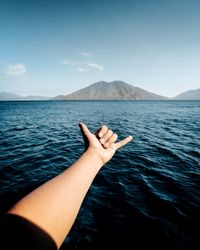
{"points": [[148, 195]]}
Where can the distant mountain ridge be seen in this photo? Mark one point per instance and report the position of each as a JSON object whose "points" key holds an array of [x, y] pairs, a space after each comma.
{"points": [[189, 95], [7, 96], [115, 90]]}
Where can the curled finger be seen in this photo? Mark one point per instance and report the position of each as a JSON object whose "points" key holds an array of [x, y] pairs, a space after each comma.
{"points": [[110, 141], [106, 136], [102, 131]]}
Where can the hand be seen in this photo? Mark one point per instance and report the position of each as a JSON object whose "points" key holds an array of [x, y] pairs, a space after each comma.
{"points": [[103, 142]]}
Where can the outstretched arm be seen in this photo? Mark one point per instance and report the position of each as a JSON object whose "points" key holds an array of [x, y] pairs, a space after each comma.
{"points": [[54, 206]]}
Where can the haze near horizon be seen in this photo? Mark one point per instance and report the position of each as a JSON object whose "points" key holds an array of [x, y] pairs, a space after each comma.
{"points": [[56, 47]]}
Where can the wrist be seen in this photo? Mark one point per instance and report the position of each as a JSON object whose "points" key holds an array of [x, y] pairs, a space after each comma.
{"points": [[94, 156]]}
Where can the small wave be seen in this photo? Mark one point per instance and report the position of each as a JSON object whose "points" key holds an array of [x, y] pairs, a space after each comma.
{"points": [[168, 152], [18, 128], [151, 186]]}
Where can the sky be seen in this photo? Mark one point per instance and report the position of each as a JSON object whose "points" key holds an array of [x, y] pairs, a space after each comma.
{"points": [[56, 47]]}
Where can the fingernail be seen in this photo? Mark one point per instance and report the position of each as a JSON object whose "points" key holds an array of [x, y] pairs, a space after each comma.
{"points": [[100, 134]]}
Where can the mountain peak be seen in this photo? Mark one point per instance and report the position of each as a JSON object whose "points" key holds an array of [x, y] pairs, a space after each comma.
{"points": [[114, 90], [106, 84]]}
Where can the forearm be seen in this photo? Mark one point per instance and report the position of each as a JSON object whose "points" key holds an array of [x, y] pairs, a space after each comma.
{"points": [[54, 205]]}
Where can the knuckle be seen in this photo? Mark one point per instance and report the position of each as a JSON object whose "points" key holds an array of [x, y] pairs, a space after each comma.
{"points": [[105, 145], [113, 138], [115, 135], [102, 140], [104, 127]]}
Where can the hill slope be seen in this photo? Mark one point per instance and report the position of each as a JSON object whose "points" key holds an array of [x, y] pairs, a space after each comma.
{"points": [[7, 96], [189, 95], [116, 90]]}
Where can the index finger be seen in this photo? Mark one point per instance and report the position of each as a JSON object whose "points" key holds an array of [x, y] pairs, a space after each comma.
{"points": [[102, 131], [123, 142]]}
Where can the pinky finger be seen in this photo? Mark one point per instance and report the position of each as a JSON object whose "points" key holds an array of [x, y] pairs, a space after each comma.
{"points": [[123, 142]]}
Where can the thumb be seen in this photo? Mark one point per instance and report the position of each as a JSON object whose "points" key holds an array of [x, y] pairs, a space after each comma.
{"points": [[85, 131]]}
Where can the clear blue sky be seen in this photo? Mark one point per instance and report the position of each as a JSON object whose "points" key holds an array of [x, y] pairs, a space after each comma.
{"points": [[56, 47]]}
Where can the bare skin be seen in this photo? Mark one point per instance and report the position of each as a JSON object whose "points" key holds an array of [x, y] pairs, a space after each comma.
{"points": [[54, 205]]}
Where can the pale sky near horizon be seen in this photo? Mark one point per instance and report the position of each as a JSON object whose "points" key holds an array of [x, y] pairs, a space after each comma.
{"points": [[56, 47]]}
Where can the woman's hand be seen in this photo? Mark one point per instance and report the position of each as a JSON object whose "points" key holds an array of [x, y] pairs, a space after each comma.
{"points": [[103, 142]]}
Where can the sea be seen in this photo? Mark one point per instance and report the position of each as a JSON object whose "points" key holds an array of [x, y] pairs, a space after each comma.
{"points": [[146, 197]]}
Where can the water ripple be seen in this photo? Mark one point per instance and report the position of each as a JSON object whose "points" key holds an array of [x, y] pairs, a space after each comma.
{"points": [[149, 192]]}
